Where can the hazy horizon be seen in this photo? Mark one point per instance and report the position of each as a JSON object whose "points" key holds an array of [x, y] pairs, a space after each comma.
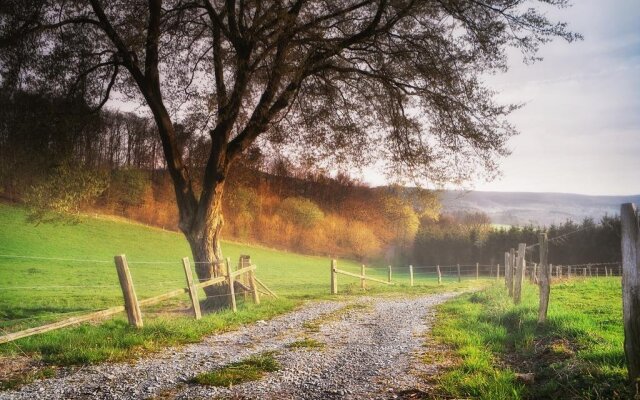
{"points": [[579, 127]]}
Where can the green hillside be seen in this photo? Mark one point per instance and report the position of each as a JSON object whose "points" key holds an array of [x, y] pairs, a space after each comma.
{"points": [[52, 271]]}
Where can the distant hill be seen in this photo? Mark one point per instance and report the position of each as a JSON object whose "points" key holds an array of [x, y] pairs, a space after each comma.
{"points": [[522, 208]]}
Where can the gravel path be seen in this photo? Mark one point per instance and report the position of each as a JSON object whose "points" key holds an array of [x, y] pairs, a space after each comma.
{"points": [[371, 350]]}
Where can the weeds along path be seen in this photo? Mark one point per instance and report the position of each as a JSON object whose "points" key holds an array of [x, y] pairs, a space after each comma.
{"points": [[367, 348]]}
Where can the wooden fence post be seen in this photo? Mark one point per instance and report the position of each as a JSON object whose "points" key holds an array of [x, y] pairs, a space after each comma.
{"points": [[631, 292], [606, 272], [477, 271], [520, 271], [568, 271], [584, 272], [459, 278], [545, 287], [363, 282], [334, 277], [389, 274], [497, 272], [534, 274], [244, 279], [439, 275], [128, 292], [232, 289], [411, 275], [511, 271], [506, 269], [193, 293], [251, 277]]}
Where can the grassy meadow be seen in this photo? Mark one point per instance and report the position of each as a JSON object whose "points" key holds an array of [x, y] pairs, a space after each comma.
{"points": [[577, 354], [76, 275]]}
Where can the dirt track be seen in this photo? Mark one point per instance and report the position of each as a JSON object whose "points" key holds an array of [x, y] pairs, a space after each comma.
{"points": [[371, 351]]}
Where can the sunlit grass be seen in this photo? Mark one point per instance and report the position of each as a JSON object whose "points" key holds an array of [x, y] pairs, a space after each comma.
{"points": [[577, 354]]}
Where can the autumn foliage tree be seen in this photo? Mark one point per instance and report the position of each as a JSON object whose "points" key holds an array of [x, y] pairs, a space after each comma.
{"points": [[397, 82]]}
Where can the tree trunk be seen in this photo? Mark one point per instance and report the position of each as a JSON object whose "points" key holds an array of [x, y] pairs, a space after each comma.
{"points": [[204, 239]]}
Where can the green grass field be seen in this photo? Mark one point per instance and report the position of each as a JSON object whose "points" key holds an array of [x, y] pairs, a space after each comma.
{"points": [[578, 354], [77, 275]]}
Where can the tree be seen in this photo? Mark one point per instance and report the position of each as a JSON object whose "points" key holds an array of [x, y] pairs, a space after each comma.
{"points": [[352, 81]]}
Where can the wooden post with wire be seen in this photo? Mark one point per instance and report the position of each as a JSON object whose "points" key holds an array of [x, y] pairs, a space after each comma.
{"points": [[520, 271], [389, 273], [439, 275], [631, 292], [232, 289], [506, 269], [411, 275], [334, 277], [459, 278], [363, 282], [545, 287], [193, 293], [131, 305], [510, 265]]}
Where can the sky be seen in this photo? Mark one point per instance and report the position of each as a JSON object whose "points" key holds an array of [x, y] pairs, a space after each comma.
{"points": [[580, 126]]}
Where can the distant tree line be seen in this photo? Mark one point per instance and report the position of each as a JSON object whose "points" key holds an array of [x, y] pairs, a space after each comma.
{"points": [[60, 158], [470, 238]]}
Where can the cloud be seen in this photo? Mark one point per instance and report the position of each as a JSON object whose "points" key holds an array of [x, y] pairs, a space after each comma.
{"points": [[580, 128]]}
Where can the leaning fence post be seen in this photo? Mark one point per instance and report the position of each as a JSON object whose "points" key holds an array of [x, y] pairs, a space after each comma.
{"points": [[631, 291], [389, 274], [545, 287], [459, 278], [128, 292], [334, 277], [363, 282], [520, 271], [439, 275], [193, 293], [232, 289], [411, 275]]}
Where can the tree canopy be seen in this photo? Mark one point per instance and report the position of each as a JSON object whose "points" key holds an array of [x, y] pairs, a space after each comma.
{"points": [[353, 81], [396, 83]]}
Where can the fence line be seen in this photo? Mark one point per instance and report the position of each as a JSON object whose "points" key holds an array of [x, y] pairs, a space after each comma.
{"points": [[53, 258], [131, 303]]}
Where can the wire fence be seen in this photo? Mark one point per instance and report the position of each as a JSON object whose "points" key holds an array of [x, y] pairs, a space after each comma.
{"points": [[72, 286]]}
